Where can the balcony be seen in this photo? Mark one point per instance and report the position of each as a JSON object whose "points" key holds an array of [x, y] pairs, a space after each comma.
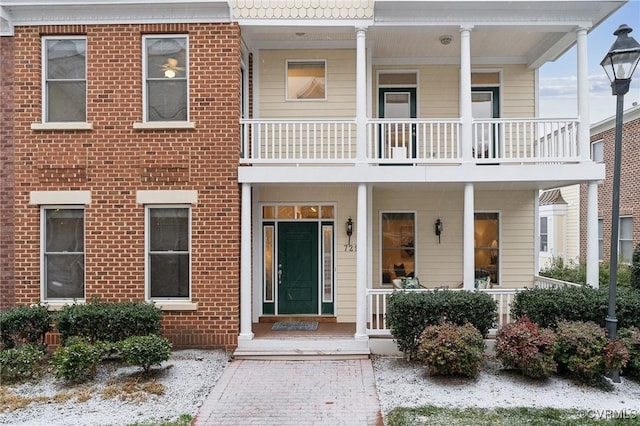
{"points": [[409, 142]]}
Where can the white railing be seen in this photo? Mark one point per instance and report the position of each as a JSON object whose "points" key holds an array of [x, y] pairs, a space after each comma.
{"points": [[413, 141], [545, 282], [525, 140], [298, 141], [377, 307]]}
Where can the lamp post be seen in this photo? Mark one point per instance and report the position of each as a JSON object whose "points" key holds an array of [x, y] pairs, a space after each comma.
{"points": [[619, 64]]}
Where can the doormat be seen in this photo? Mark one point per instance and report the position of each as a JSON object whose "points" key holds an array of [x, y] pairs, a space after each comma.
{"points": [[295, 326]]}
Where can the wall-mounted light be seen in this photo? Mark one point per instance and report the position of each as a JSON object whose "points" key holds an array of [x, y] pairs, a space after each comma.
{"points": [[349, 229], [438, 228]]}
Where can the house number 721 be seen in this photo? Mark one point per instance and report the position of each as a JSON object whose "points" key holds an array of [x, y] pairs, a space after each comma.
{"points": [[349, 247]]}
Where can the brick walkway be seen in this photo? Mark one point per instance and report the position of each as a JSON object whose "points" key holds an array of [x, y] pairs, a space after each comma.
{"points": [[336, 392]]}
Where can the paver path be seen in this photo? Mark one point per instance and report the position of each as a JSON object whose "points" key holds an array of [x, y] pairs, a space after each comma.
{"points": [[319, 392]]}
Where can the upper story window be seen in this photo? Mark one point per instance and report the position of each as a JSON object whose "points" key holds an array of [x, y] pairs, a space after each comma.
{"points": [[166, 78], [64, 79], [306, 80], [62, 253], [597, 151]]}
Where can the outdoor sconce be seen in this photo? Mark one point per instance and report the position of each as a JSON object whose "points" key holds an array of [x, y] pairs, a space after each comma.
{"points": [[349, 229], [439, 227]]}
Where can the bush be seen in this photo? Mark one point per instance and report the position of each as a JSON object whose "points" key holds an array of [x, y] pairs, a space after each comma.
{"points": [[77, 360], [145, 351], [566, 271], [635, 268], [408, 313], [631, 338], [582, 352], [526, 347], [451, 349], [19, 363], [111, 322], [24, 324]]}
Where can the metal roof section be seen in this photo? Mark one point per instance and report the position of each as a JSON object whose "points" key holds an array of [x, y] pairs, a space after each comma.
{"points": [[551, 197]]}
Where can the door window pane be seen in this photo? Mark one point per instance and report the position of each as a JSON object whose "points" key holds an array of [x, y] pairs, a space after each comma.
{"points": [[327, 263], [168, 252], [65, 80], [398, 246], [487, 246], [63, 257], [268, 263], [166, 78]]}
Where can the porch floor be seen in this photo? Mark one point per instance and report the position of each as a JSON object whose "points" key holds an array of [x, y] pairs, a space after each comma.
{"points": [[326, 330]]}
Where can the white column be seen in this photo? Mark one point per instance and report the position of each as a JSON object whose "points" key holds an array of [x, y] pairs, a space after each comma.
{"points": [[466, 114], [593, 273], [361, 94], [361, 263], [584, 144], [245, 264], [468, 228], [536, 232]]}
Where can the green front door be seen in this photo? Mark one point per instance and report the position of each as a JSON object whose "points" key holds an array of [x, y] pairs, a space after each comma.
{"points": [[297, 268]]}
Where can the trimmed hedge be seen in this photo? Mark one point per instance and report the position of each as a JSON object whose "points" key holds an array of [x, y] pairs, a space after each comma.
{"points": [[546, 307], [19, 363], [450, 349], [409, 312], [24, 324], [144, 351], [110, 322]]}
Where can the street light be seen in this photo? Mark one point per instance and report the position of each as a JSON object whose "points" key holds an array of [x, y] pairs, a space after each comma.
{"points": [[619, 64]]}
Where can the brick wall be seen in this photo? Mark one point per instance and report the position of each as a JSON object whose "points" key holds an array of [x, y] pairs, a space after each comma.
{"points": [[629, 185], [6, 174], [113, 161]]}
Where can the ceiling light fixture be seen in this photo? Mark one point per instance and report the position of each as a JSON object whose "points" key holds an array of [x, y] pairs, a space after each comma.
{"points": [[445, 39]]}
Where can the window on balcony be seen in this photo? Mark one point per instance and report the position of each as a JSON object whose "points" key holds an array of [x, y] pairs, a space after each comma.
{"points": [[398, 245], [166, 78], [306, 80], [168, 252], [65, 79], [487, 246], [63, 253]]}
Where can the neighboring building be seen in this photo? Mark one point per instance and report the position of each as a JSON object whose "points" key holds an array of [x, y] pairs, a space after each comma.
{"points": [[240, 162], [559, 227], [602, 149]]}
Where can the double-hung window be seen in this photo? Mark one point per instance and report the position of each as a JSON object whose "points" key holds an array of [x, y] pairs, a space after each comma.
{"points": [[168, 252], [166, 84], [62, 253], [625, 250], [64, 79]]}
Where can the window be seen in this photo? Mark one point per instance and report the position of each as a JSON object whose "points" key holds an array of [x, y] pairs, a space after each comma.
{"points": [[306, 80], [597, 151], [63, 253], [625, 249], [487, 246], [544, 234], [65, 79], [166, 78], [168, 252], [398, 246], [600, 240]]}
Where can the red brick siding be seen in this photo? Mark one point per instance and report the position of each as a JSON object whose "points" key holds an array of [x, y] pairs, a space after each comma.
{"points": [[7, 294], [113, 161], [629, 185]]}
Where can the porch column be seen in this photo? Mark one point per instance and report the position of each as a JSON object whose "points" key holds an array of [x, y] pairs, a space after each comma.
{"points": [[361, 95], [245, 264], [593, 273], [468, 259], [584, 148], [361, 263], [466, 114]]}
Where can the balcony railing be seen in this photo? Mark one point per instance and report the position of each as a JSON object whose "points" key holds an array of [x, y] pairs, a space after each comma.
{"points": [[411, 141]]}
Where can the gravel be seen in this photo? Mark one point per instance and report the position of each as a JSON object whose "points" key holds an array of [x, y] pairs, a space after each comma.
{"points": [[189, 376]]}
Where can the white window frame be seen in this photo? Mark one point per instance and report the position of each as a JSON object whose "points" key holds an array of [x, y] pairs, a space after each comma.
{"points": [[43, 253], [620, 240], [145, 78], [147, 242], [45, 80], [547, 219], [600, 239], [415, 256], [301, 61], [600, 143]]}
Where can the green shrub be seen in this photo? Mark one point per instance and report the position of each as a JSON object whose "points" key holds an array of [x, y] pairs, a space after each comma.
{"points": [[24, 324], [145, 351], [19, 363], [631, 338], [573, 272], [409, 312], [526, 347], [77, 360], [635, 268], [111, 322], [584, 353], [451, 349]]}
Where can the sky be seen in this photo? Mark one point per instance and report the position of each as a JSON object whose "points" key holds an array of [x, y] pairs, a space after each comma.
{"points": [[558, 79]]}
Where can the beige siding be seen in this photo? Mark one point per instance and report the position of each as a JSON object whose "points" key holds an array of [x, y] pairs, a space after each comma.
{"points": [[341, 95], [518, 92], [571, 195]]}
